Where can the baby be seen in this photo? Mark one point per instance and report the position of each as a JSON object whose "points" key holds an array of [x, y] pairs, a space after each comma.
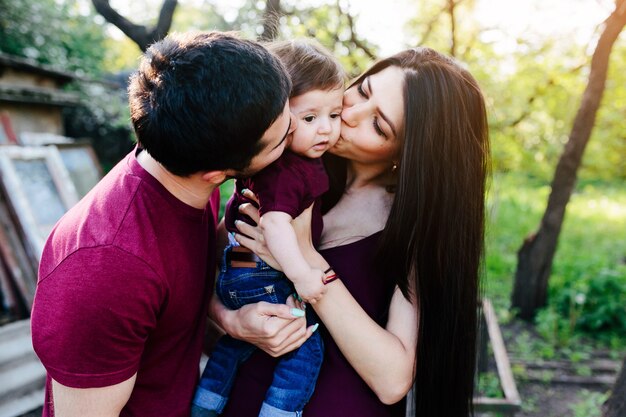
{"points": [[284, 190]]}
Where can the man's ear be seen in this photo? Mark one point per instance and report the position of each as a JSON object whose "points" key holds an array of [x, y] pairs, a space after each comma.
{"points": [[215, 177]]}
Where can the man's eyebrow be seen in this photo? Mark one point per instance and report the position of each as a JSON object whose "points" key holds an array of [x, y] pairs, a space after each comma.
{"points": [[385, 118], [286, 134]]}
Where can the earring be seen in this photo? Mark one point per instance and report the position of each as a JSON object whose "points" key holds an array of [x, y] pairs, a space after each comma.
{"points": [[394, 167]]}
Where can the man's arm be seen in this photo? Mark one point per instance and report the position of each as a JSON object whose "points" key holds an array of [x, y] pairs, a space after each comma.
{"points": [[91, 402]]}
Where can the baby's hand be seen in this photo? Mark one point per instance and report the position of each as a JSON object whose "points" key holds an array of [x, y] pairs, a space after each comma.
{"points": [[310, 286]]}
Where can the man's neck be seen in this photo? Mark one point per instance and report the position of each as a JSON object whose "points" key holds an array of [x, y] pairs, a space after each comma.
{"points": [[192, 190]]}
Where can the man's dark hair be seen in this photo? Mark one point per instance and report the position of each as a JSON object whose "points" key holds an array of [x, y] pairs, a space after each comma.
{"points": [[202, 101]]}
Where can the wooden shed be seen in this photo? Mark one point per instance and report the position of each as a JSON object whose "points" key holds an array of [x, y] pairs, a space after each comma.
{"points": [[31, 103], [32, 96]]}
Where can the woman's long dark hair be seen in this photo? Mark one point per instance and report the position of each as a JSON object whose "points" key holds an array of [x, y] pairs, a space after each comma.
{"points": [[433, 240]]}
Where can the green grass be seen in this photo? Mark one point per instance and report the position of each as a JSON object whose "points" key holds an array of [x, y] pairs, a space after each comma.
{"points": [[226, 190], [592, 244]]}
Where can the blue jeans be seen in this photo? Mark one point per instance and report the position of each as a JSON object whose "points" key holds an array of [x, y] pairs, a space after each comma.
{"points": [[295, 373]]}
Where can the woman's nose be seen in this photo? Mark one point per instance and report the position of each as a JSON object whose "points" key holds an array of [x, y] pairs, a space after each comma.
{"points": [[350, 115]]}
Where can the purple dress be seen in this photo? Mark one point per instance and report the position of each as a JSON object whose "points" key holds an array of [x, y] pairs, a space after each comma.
{"points": [[340, 391]]}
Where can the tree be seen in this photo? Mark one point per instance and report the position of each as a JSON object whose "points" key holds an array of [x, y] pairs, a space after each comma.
{"points": [[334, 27], [52, 33], [615, 405], [271, 20], [437, 25], [143, 36], [537, 252]]}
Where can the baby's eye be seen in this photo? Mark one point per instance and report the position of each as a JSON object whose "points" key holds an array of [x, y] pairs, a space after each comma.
{"points": [[335, 115], [308, 119]]}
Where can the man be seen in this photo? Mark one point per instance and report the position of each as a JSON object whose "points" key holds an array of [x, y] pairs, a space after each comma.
{"points": [[126, 275]]}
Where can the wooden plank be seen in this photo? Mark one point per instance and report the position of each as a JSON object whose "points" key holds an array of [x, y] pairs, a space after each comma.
{"points": [[26, 288], [502, 361], [39, 189], [37, 95], [8, 297], [498, 405], [596, 380], [602, 365], [511, 403], [7, 128], [83, 166], [14, 255], [482, 351]]}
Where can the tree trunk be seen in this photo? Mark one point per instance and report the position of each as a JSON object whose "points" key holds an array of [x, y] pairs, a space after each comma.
{"points": [[615, 406], [537, 252], [354, 39], [271, 19], [141, 35], [451, 6]]}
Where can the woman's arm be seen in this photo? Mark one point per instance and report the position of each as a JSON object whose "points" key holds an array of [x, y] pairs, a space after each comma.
{"points": [[383, 356]]}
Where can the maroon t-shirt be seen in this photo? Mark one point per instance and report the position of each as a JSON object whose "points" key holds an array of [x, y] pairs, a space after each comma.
{"points": [[124, 284], [289, 185], [340, 391]]}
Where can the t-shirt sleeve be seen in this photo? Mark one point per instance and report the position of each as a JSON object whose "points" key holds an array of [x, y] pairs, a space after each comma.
{"points": [[93, 315], [281, 189]]}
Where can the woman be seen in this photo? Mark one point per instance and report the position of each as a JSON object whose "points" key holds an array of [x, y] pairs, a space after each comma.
{"points": [[403, 231]]}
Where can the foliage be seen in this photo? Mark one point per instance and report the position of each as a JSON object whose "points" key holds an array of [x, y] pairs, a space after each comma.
{"points": [[327, 23], [226, 190], [68, 36], [432, 27], [53, 32], [589, 405], [604, 157], [489, 385], [595, 304], [121, 55], [195, 17], [103, 118], [533, 90], [587, 287]]}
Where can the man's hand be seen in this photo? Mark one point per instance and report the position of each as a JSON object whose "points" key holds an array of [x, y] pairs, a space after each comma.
{"points": [[274, 328]]}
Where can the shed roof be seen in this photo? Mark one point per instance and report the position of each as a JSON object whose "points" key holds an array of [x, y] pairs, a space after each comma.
{"points": [[32, 66]]}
